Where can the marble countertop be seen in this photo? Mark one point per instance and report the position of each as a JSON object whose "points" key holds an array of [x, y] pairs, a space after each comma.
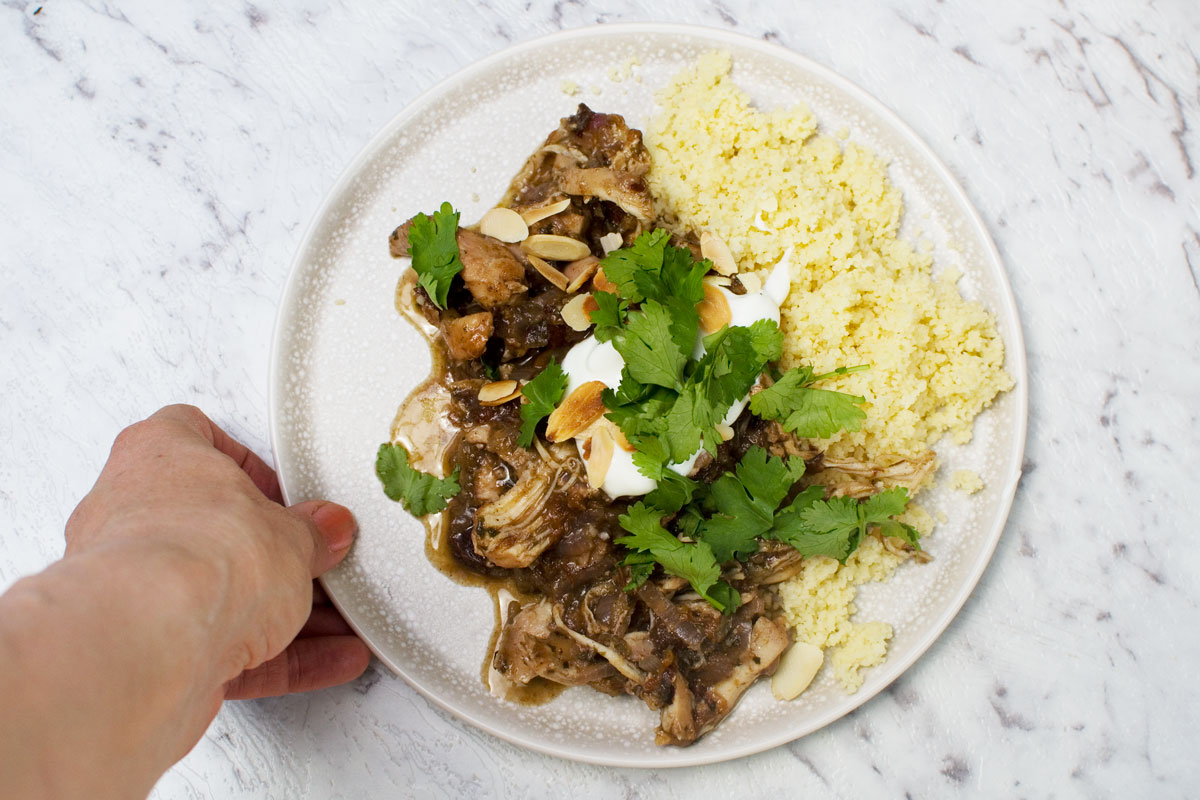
{"points": [[159, 164]]}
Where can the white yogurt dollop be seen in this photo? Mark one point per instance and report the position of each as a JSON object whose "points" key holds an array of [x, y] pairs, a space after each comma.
{"points": [[591, 360]]}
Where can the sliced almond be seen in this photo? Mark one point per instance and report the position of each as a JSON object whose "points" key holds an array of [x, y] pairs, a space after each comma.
{"points": [[718, 280], [578, 272], [549, 273], [750, 282], [504, 224], [603, 284], [600, 457], [574, 314], [581, 408], [713, 310], [532, 215], [715, 250], [498, 392], [617, 434], [797, 668], [611, 241], [725, 431], [590, 305], [555, 247]]}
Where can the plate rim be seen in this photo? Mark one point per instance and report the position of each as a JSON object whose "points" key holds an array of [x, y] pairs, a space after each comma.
{"points": [[1015, 364]]}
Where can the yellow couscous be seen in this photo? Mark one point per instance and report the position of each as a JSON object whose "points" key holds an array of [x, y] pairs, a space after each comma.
{"points": [[966, 480], [768, 182]]}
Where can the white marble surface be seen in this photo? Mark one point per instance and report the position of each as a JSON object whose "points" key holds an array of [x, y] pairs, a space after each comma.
{"points": [[159, 165]]}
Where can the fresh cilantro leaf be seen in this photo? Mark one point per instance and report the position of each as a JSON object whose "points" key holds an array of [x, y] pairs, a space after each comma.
{"points": [[673, 493], [543, 394], [692, 562], [684, 324], [835, 527], [420, 492], [768, 479], [745, 501], [609, 315], [682, 277], [886, 504], [624, 265], [434, 248], [641, 566], [648, 348], [822, 528], [810, 413], [651, 268]]}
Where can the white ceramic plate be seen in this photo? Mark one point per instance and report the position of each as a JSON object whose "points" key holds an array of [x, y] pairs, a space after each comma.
{"points": [[343, 360]]}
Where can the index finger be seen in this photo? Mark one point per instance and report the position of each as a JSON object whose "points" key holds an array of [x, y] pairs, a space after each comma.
{"points": [[263, 476]]}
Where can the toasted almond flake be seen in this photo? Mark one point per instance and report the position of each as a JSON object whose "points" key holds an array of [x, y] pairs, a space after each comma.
{"points": [[556, 248], [532, 215], [750, 282], [715, 250], [713, 310], [504, 224], [590, 305], [617, 434], [726, 431], [498, 392], [549, 273], [580, 409], [603, 284], [578, 272], [718, 280], [797, 668], [600, 457], [574, 314], [611, 241]]}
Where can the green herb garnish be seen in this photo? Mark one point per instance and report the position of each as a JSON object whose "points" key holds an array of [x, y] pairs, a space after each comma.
{"points": [[543, 394], [835, 527], [434, 249], [420, 492], [694, 561], [807, 412]]}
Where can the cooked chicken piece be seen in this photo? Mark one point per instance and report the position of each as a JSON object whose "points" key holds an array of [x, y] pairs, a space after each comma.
{"points": [[492, 274], [774, 562], [768, 640], [677, 722], [607, 141], [584, 139], [531, 646], [467, 337], [610, 654], [507, 531], [623, 188], [867, 478]]}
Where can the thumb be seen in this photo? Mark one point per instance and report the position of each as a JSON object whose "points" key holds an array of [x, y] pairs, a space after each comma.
{"points": [[332, 527]]}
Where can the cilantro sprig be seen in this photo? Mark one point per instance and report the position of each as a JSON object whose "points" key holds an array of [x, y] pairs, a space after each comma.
{"points": [[725, 522], [419, 492], [542, 394], [807, 412], [692, 561], [434, 249], [836, 527]]}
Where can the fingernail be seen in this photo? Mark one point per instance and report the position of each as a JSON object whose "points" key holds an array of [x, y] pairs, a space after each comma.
{"points": [[336, 524]]}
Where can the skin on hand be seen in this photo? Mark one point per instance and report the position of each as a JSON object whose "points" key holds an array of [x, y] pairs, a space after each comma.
{"points": [[185, 582]]}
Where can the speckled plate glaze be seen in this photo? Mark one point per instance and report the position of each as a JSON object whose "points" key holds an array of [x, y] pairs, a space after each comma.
{"points": [[343, 360]]}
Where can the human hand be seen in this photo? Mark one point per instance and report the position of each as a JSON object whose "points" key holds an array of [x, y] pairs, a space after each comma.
{"points": [[185, 582], [177, 480]]}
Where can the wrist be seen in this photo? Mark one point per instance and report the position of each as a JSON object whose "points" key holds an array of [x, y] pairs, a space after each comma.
{"points": [[106, 655]]}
